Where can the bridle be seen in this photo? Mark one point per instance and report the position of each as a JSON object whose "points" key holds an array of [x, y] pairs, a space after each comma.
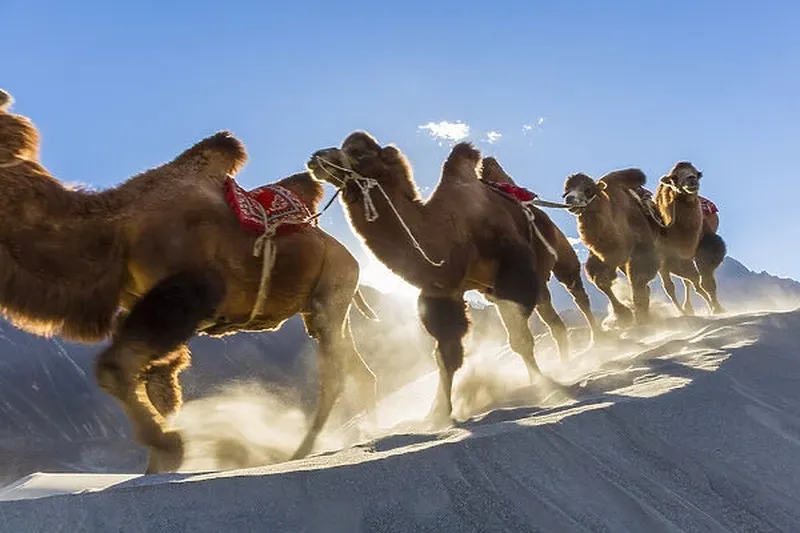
{"points": [[365, 185]]}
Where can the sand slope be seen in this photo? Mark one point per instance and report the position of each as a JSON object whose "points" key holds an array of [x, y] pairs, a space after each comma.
{"points": [[692, 429]]}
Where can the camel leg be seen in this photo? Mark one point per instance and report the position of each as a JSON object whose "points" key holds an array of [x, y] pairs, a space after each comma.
{"points": [[570, 278], [710, 254], [555, 324], [687, 271], [520, 338], [669, 288], [517, 289], [603, 276], [445, 319], [688, 287], [162, 381], [338, 360], [641, 269], [157, 326]]}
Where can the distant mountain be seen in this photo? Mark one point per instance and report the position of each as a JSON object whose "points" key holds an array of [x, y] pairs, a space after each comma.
{"points": [[738, 287], [54, 418]]}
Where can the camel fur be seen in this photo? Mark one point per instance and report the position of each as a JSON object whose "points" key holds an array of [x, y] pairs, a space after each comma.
{"points": [[474, 239], [565, 265], [618, 235], [690, 246], [157, 259]]}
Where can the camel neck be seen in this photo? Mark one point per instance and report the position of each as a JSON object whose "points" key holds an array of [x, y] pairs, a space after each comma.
{"points": [[386, 236]]}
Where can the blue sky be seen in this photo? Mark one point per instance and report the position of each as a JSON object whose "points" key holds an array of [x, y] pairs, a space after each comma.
{"points": [[119, 87]]}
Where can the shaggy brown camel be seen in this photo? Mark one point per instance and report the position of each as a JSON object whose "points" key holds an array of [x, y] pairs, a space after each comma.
{"points": [[554, 254], [619, 235], [688, 239], [464, 237], [166, 250]]}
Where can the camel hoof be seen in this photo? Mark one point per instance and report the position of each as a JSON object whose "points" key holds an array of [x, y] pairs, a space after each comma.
{"points": [[167, 456], [440, 413]]}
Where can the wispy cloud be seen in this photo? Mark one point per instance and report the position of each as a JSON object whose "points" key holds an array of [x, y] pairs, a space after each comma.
{"points": [[531, 125], [446, 131], [493, 136]]}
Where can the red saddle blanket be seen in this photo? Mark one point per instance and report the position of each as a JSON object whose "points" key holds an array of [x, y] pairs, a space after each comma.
{"points": [[707, 206], [519, 193], [270, 208]]}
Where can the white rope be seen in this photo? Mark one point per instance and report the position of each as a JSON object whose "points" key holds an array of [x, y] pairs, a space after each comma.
{"points": [[649, 207], [17, 161], [532, 221], [266, 248], [370, 212]]}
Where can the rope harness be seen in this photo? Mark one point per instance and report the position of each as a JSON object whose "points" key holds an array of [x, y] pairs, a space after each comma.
{"points": [[527, 209], [249, 208], [365, 185]]}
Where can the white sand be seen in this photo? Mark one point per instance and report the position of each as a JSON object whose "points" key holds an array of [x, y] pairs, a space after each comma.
{"points": [[694, 427]]}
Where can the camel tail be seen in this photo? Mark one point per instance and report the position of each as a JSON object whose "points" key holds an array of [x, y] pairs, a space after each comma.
{"points": [[629, 178], [363, 307], [220, 153]]}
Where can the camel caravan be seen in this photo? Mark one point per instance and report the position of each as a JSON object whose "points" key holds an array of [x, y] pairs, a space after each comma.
{"points": [[181, 249]]}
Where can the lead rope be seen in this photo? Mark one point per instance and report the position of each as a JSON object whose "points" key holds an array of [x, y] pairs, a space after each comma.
{"points": [[370, 212], [17, 161], [532, 221], [649, 208]]}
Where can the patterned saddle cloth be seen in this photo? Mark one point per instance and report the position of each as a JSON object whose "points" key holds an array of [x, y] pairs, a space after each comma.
{"points": [[645, 198], [520, 194], [271, 209]]}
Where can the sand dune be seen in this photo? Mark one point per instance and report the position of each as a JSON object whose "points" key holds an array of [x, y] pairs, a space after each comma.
{"points": [[690, 427]]}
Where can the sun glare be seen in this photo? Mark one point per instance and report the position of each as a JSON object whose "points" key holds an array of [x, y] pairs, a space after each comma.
{"points": [[375, 274]]}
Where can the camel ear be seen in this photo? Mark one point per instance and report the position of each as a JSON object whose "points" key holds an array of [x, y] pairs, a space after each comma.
{"points": [[5, 100], [390, 153]]}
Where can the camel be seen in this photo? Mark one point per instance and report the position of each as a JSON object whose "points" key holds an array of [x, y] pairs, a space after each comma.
{"points": [[463, 237], [689, 243], [619, 235], [554, 254], [158, 259]]}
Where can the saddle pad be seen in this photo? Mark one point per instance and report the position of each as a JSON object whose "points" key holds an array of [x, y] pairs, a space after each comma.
{"points": [[283, 211], [519, 193], [708, 207]]}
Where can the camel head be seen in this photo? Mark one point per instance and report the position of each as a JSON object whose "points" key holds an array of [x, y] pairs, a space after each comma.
{"points": [[579, 191], [19, 139], [684, 178], [360, 156]]}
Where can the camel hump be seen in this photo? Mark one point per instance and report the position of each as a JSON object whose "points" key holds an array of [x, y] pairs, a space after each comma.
{"points": [[5, 100], [220, 153], [628, 178], [491, 170], [462, 164], [307, 188], [464, 151]]}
